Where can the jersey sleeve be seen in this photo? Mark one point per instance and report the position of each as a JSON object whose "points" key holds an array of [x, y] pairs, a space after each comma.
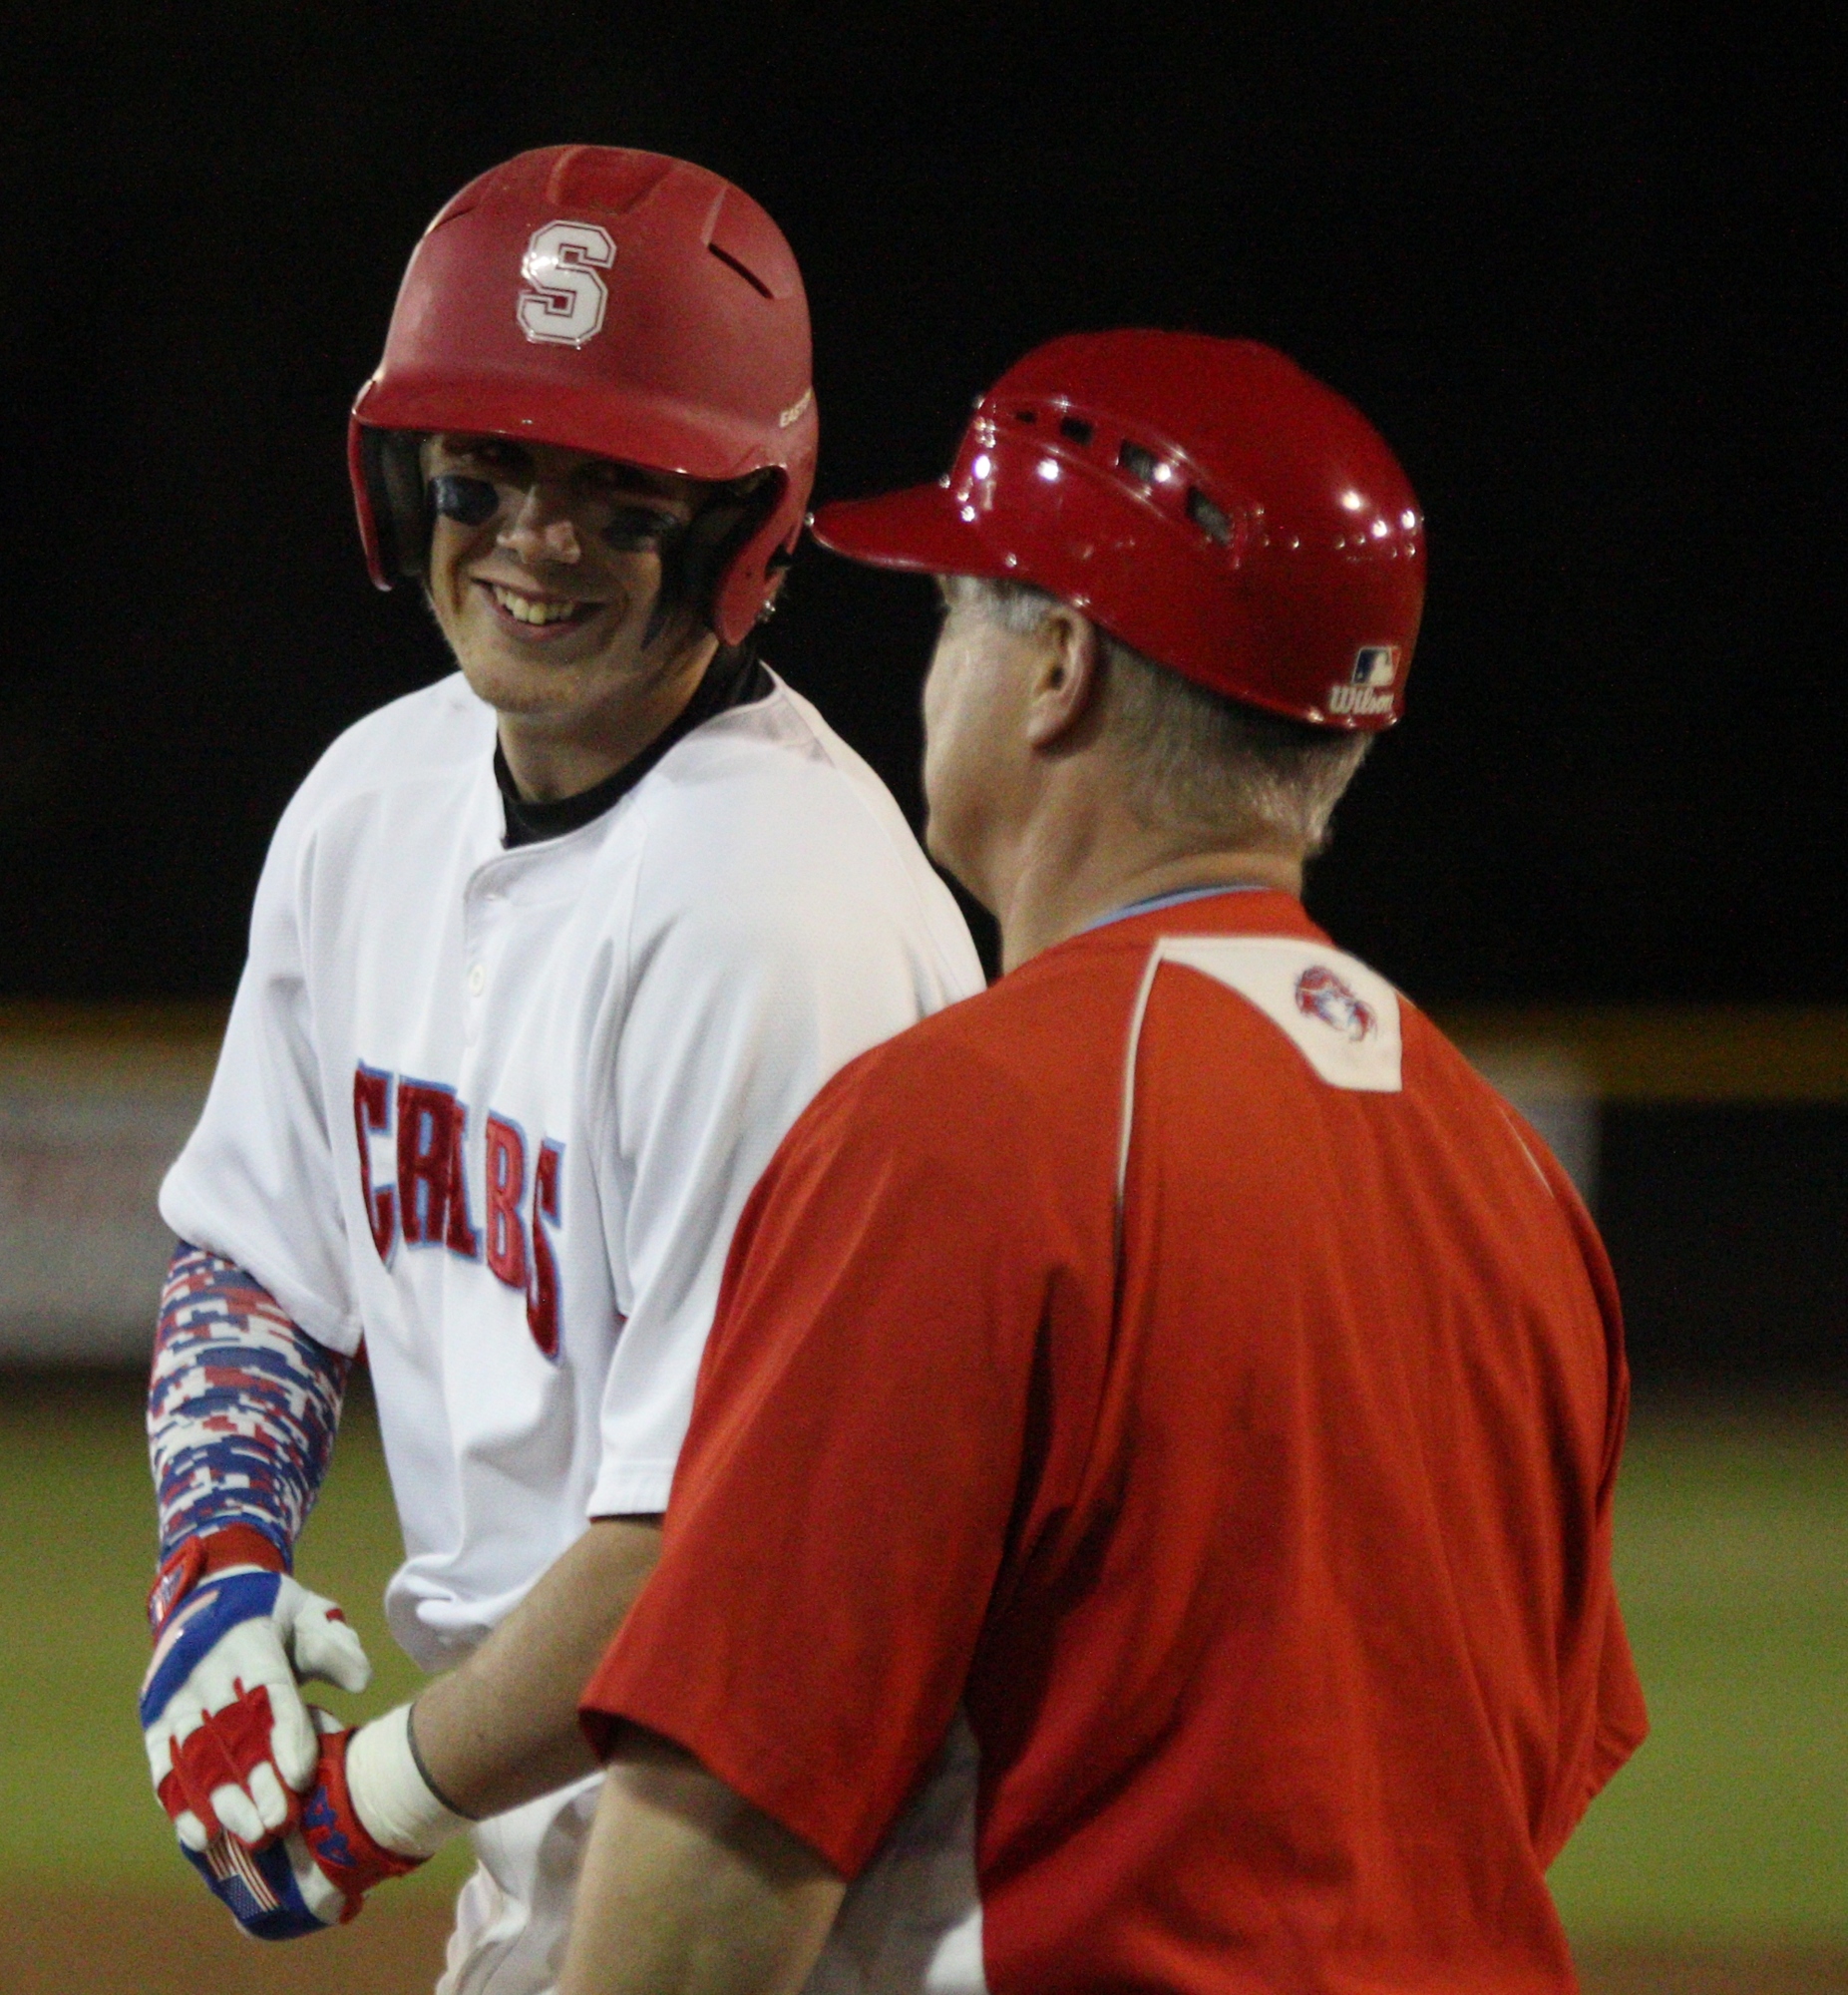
{"points": [[255, 1184], [751, 994], [241, 1408], [1612, 1719], [845, 1497]]}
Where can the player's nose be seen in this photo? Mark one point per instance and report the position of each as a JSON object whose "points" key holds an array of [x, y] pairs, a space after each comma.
{"points": [[541, 528]]}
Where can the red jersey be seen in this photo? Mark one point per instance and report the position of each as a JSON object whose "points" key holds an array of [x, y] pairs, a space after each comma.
{"points": [[1175, 1395]]}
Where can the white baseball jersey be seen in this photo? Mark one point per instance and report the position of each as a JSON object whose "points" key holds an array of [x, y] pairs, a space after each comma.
{"points": [[496, 1111]]}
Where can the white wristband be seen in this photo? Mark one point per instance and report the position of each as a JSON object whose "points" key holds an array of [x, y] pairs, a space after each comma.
{"points": [[396, 1805]]}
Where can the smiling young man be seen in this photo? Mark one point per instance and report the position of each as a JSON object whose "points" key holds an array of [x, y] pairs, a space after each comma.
{"points": [[555, 616], [545, 960], [1208, 1392]]}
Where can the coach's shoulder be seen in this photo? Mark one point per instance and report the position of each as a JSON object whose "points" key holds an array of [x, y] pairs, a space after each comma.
{"points": [[1039, 1050], [982, 1063], [948, 1087]]}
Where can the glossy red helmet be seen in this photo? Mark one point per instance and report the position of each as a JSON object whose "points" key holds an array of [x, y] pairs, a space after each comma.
{"points": [[607, 300], [1202, 500]]}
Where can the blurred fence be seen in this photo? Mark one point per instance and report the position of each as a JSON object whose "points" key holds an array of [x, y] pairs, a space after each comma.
{"points": [[1714, 1147], [1713, 1142], [95, 1103]]}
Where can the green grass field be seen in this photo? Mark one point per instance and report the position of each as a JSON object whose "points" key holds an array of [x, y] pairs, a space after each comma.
{"points": [[76, 1553], [1731, 1825], [1732, 1821]]}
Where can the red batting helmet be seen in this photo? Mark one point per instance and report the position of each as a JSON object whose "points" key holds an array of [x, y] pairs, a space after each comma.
{"points": [[1205, 501], [606, 300]]}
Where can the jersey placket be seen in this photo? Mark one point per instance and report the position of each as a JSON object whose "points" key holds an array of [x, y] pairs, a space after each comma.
{"points": [[484, 923]]}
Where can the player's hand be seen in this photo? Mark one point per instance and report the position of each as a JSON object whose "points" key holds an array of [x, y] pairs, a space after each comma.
{"points": [[318, 1873], [229, 1741]]}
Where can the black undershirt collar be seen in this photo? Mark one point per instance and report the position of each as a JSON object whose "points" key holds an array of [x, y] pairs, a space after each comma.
{"points": [[735, 678]]}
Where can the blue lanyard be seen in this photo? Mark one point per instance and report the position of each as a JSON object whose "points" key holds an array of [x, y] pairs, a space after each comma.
{"points": [[1155, 901]]}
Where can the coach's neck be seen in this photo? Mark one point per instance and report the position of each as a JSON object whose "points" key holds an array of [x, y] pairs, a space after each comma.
{"points": [[1086, 858], [1028, 785]]}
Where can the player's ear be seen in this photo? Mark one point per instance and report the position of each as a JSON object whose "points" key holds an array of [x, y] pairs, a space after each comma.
{"points": [[1067, 675]]}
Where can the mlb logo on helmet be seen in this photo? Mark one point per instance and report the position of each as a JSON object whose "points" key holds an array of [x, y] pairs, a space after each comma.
{"points": [[1321, 993], [1368, 687], [1376, 665]]}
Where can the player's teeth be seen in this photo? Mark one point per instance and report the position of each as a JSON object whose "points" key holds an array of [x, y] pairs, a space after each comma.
{"points": [[526, 610]]}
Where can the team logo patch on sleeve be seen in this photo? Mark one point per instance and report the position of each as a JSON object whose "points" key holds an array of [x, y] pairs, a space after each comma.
{"points": [[1341, 1016], [1323, 994]]}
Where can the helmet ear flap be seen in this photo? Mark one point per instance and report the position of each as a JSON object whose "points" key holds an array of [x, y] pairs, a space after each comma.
{"points": [[708, 567], [741, 585], [391, 464]]}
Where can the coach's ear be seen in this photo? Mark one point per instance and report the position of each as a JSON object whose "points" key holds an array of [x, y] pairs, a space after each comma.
{"points": [[1067, 678]]}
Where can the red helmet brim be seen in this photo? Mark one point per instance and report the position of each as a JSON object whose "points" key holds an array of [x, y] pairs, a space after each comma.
{"points": [[920, 529]]}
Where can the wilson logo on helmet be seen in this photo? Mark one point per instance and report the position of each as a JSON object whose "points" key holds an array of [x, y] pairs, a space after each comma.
{"points": [[565, 305], [1366, 689]]}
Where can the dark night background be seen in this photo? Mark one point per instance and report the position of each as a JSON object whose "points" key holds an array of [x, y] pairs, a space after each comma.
{"points": [[1580, 260], [1578, 264]]}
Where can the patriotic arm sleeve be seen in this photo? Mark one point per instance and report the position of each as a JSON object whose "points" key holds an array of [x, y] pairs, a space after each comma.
{"points": [[241, 1407]]}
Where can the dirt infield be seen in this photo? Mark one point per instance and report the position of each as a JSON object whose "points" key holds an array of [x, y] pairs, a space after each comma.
{"points": [[155, 1943], [121, 1942], [1712, 1970]]}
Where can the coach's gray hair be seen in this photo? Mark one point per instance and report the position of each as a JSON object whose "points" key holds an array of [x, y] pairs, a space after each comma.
{"points": [[1197, 763]]}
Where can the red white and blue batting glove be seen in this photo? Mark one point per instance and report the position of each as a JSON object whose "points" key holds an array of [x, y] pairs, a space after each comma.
{"points": [[318, 1873], [230, 1745]]}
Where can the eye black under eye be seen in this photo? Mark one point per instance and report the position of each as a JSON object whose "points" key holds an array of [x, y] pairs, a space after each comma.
{"points": [[636, 529], [468, 500]]}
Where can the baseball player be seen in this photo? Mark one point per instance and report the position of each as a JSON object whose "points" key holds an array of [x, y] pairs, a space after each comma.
{"points": [[1207, 1393], [545, 960]]}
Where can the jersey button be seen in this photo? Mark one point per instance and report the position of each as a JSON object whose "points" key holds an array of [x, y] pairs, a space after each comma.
{"points": [[477, 976]]}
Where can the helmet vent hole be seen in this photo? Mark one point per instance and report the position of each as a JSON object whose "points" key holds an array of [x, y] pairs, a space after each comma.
{"points": [[1079, 432], [1208, 517], [1139, 463], [750, 276], [1026, 415]]}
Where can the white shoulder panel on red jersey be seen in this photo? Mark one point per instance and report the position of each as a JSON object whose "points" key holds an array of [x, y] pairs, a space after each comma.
{"points": [[1341, 1016]]}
